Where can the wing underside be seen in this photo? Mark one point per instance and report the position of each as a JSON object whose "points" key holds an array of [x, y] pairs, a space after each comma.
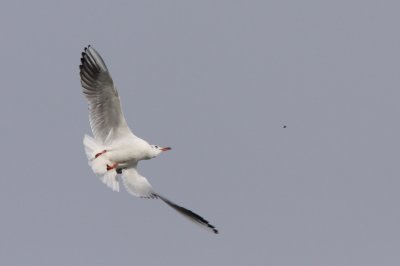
{"points": [[105, 114]]}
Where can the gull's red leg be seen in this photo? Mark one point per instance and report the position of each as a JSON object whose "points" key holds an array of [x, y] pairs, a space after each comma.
{"points": [[100, 153], [113, 166]]}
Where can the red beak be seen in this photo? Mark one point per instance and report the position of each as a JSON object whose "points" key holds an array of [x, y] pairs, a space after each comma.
{"points": [[166, 149]]}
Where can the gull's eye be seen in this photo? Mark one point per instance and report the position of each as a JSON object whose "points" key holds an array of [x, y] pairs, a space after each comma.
{"points": [[156, 147]]}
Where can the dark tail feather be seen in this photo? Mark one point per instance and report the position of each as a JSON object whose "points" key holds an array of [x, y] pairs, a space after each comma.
{"points": [[188, 214]]}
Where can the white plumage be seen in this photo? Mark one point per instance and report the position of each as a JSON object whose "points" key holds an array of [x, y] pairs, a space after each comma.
{"points": [[115, 149]]}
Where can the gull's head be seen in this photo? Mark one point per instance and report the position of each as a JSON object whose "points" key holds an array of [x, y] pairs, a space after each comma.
{"points": [[156, 150]]}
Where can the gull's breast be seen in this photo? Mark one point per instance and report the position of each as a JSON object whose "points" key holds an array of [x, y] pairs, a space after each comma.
{"points": [[124, 152]]}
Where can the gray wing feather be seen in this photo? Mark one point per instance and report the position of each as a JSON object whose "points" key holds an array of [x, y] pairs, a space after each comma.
{"points": [[105, 114]]}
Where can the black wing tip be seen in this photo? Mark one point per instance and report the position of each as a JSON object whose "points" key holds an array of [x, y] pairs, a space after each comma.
{"points": [[88, 63], [188, 213], [83, 55], [85, 52], [212, 227], [92, 62]]}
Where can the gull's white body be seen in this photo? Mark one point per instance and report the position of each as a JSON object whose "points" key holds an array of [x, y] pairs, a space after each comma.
{"points": [[128, 149], [114, 147]]}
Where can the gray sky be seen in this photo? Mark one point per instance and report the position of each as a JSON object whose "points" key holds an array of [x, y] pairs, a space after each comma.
{"points": [[216, 80]]}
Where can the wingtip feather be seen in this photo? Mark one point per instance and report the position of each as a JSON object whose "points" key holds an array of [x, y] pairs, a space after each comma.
{"points": [[194, 217]]}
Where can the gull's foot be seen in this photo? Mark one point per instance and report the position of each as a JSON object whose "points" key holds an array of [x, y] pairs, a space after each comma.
{"points": [[100, 153], [113, 166]]}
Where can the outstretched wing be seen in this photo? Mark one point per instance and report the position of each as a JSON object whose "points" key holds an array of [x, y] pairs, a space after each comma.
{"points": [[105, 114], [138, 186]]}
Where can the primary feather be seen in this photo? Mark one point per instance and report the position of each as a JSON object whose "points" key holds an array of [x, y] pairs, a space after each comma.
{"points": [[105, 114]]}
